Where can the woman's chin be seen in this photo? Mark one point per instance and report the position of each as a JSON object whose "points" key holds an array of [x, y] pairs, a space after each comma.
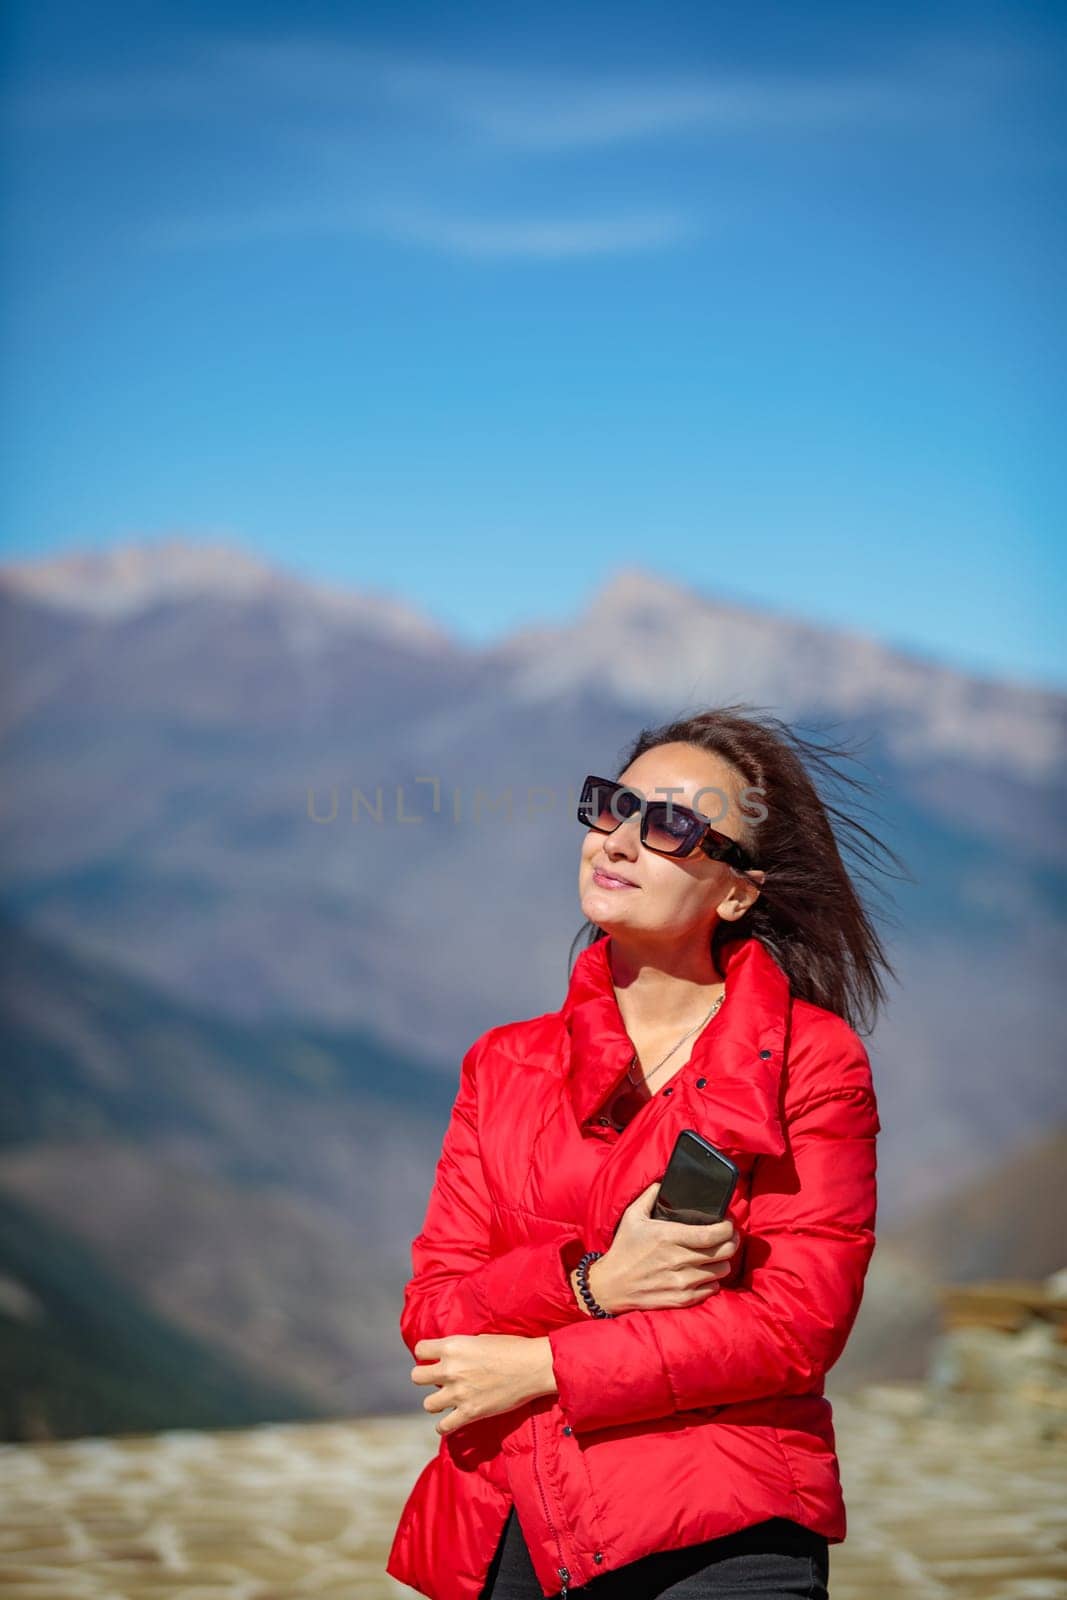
{"points": [[604, 910]]}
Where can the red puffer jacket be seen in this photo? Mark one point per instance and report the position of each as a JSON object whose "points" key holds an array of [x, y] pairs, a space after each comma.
{"points": [[673, 1425]]}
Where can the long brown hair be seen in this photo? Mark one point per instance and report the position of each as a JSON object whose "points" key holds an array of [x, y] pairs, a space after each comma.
{"points": [[810, 914]]}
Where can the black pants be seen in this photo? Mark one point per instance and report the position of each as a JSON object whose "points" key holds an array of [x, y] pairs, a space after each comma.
{"points": [[774, 1560]]}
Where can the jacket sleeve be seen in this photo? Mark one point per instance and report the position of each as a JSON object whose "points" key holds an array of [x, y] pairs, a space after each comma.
{"points": [[457, 1285], [808, 1242]]}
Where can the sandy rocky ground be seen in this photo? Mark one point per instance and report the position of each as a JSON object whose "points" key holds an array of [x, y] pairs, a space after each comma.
{"points": [[944, 1502]]}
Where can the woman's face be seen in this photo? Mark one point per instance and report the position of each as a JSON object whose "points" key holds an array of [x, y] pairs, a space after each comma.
{"points": [[679, 896]]}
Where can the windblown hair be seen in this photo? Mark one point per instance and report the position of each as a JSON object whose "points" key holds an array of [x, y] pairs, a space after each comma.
{"points": [[809, 914]]}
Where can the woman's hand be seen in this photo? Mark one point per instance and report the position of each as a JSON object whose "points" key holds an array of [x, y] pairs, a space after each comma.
{"points": [[652, 1262], [482, 1374]]}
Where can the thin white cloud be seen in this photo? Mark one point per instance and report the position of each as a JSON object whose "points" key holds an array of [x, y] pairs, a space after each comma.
{"points": [[558, 111], [597, 117], [539, 238], [391, 129], [518, 109], [531, 238]]}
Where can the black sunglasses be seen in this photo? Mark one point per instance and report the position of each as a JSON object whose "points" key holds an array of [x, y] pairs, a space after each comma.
{"points": [[666, 827]]}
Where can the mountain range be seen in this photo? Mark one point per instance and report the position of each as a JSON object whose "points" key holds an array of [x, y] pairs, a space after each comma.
{"points": [[261, 887]]}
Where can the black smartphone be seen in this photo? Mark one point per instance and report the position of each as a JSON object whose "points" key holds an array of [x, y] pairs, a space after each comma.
{"points": [[697, 1184]]}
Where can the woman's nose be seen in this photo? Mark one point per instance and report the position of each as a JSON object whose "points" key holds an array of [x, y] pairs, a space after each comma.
{"points": [[626, 838]]}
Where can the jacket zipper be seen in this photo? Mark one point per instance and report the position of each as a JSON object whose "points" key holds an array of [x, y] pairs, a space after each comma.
{"points": [[561, 1569]]}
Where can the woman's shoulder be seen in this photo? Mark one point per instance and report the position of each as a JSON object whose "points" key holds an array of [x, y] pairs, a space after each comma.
{"points": [[827, 1058], [535, 1040]]}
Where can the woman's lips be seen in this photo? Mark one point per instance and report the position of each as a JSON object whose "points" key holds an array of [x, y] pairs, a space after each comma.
{"points": [[607, 882]]}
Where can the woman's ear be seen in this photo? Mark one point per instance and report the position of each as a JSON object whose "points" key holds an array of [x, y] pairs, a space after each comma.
{"points": [[743, 892]]}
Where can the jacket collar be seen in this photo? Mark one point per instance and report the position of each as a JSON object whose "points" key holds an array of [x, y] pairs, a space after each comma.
{"points": [[739, 1055]]}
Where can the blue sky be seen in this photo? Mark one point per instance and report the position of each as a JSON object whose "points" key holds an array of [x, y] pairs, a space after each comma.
{"points": [[478, 303]]}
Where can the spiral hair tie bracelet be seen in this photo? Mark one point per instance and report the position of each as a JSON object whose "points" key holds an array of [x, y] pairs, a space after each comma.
{"points": [[584, 1290]]}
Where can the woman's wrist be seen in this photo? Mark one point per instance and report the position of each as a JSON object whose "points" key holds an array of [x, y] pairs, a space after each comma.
{"points": [[594, 1276], [543, 1376]]}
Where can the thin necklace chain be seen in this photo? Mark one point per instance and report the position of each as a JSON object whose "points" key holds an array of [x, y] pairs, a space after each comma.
{"points": [[674, 1047]]}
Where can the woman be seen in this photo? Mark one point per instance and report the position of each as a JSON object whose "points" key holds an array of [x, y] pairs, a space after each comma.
{"points": [[627, 1403]]}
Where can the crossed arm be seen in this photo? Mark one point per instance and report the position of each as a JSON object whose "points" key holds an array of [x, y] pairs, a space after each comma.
{"points": [[457, 1286], [777, 1330], [783, 1324]]}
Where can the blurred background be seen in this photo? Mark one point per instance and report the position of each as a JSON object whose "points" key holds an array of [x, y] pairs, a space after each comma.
{"points": [[403, 406]]}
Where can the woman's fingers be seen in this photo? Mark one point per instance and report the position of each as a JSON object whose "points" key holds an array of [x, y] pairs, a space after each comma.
{"points": [[719, 1252], [711, 1272], [698, 1236]]}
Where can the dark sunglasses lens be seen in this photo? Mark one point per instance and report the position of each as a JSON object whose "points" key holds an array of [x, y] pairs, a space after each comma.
{"points": [[605, 805], [668, 829]]}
